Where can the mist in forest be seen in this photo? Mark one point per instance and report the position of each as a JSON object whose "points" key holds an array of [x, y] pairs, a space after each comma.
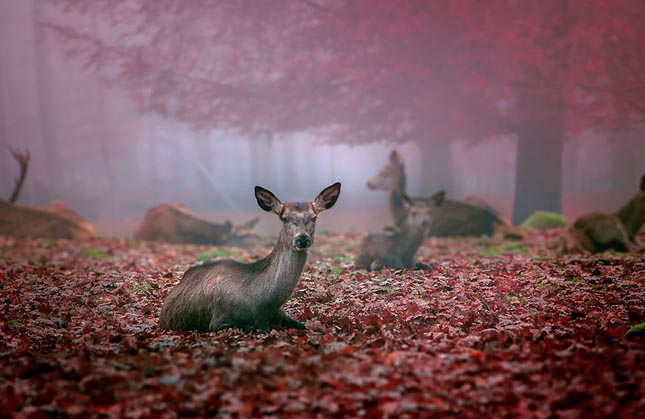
{"points": [[92, 148]]}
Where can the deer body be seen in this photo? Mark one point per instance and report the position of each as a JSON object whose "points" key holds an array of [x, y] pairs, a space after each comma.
{"points": [[453, 218], [58, 221], [228, 293], [599, 231], [397, 250]]}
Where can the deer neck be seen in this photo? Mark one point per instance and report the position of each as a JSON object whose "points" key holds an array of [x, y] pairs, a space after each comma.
{"points": [[410, 239], [283, 270], [632, 217]]}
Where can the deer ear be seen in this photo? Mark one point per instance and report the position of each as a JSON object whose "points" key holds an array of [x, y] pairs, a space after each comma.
{"points": [[327, 198], [394, 156], [438, 198], [643, 183], [267, 201], [407, 200]]}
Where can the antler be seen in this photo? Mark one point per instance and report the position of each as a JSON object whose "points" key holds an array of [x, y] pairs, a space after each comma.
{"points": [[22, 157]]}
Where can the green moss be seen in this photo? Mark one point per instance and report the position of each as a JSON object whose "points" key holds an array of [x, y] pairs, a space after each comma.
{"points": [[543, 220], [344, 259], [508, 248], [336, 270], [216, 254], [93, 253], [139, 289], [638, 330]]}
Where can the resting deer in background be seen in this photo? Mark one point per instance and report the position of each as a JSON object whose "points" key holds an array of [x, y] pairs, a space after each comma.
{"points": [[397, 249], [59, 220], [453, 218], [250, 296], [599, 231]]}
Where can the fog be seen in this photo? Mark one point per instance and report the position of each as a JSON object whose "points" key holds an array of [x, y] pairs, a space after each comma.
{"points": [[92, 148]]}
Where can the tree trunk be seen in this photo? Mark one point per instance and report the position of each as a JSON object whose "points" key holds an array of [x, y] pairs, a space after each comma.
{"points": [[44, 84], [5, 169], [538, 172], [624, 161], [436, 167]]}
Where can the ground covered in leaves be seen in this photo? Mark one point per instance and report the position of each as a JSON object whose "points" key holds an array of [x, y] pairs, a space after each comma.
{"points": [[495, 329]]}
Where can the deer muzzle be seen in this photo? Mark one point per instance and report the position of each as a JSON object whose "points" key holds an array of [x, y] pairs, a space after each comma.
{"points": [[302, 241]]}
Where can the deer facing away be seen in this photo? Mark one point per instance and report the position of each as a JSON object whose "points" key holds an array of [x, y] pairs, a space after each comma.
{"points": [[227, 293], [397, 250], [599, 231]]}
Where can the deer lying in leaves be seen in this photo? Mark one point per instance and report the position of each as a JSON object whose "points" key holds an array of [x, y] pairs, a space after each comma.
{"points": [[453, 218], [177, 224], [250, 296], [58, 221], [599, 231], [397, 249]]}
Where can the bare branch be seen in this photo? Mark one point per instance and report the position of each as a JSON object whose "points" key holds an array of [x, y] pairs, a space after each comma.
{"points": [[22, 157]]}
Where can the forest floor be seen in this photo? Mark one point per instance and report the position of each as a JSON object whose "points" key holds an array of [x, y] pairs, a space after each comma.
{"points": [[496, 329]]}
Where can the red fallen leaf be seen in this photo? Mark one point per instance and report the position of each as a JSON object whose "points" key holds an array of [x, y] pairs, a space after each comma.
{"points": [[389, 407], [391, 359], [477, 355], [307, 314], [325, 379], [327, 338]]}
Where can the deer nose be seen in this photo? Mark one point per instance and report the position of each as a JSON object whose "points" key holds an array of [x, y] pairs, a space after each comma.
{"points": [[425, 223], [303, 241]]}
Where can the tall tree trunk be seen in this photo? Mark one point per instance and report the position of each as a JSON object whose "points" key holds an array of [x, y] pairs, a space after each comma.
{"points": [[5, 169], [538, 178], [436, 167], [44, 84], [624, 161]]}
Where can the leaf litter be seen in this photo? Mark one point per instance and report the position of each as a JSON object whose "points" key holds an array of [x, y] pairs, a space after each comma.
{"points": [[494, 329]]}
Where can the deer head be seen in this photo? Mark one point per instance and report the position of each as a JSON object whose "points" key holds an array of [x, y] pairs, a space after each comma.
{"points": [[392, 175], [298, 218], [419, 211]]}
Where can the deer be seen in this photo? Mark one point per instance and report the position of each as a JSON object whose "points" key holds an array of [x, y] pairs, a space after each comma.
{"points": [[397, 249], [452, 218], [59, 220], [597, 231], [391, 178], [231, 294]]}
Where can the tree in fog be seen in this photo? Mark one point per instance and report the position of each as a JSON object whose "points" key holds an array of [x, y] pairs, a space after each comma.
{"points": [[361, 71]]}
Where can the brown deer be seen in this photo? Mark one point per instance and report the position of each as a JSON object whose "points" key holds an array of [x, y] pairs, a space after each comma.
{"points": [[177, 224], [250, 296], [599, 231], [391, 179], [453, 218], [397, 249], [57, 221]]}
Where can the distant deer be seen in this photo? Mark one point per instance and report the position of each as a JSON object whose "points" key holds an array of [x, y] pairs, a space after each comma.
{"points": [[599, 231], [453, 218], [397, 249], [391, 179], [57, 221], [228, 293]]}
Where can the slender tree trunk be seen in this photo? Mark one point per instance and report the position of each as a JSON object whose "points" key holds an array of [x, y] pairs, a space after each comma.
{"points": [[44, 84], [538, 178], [5, 168], [436, 167]]}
